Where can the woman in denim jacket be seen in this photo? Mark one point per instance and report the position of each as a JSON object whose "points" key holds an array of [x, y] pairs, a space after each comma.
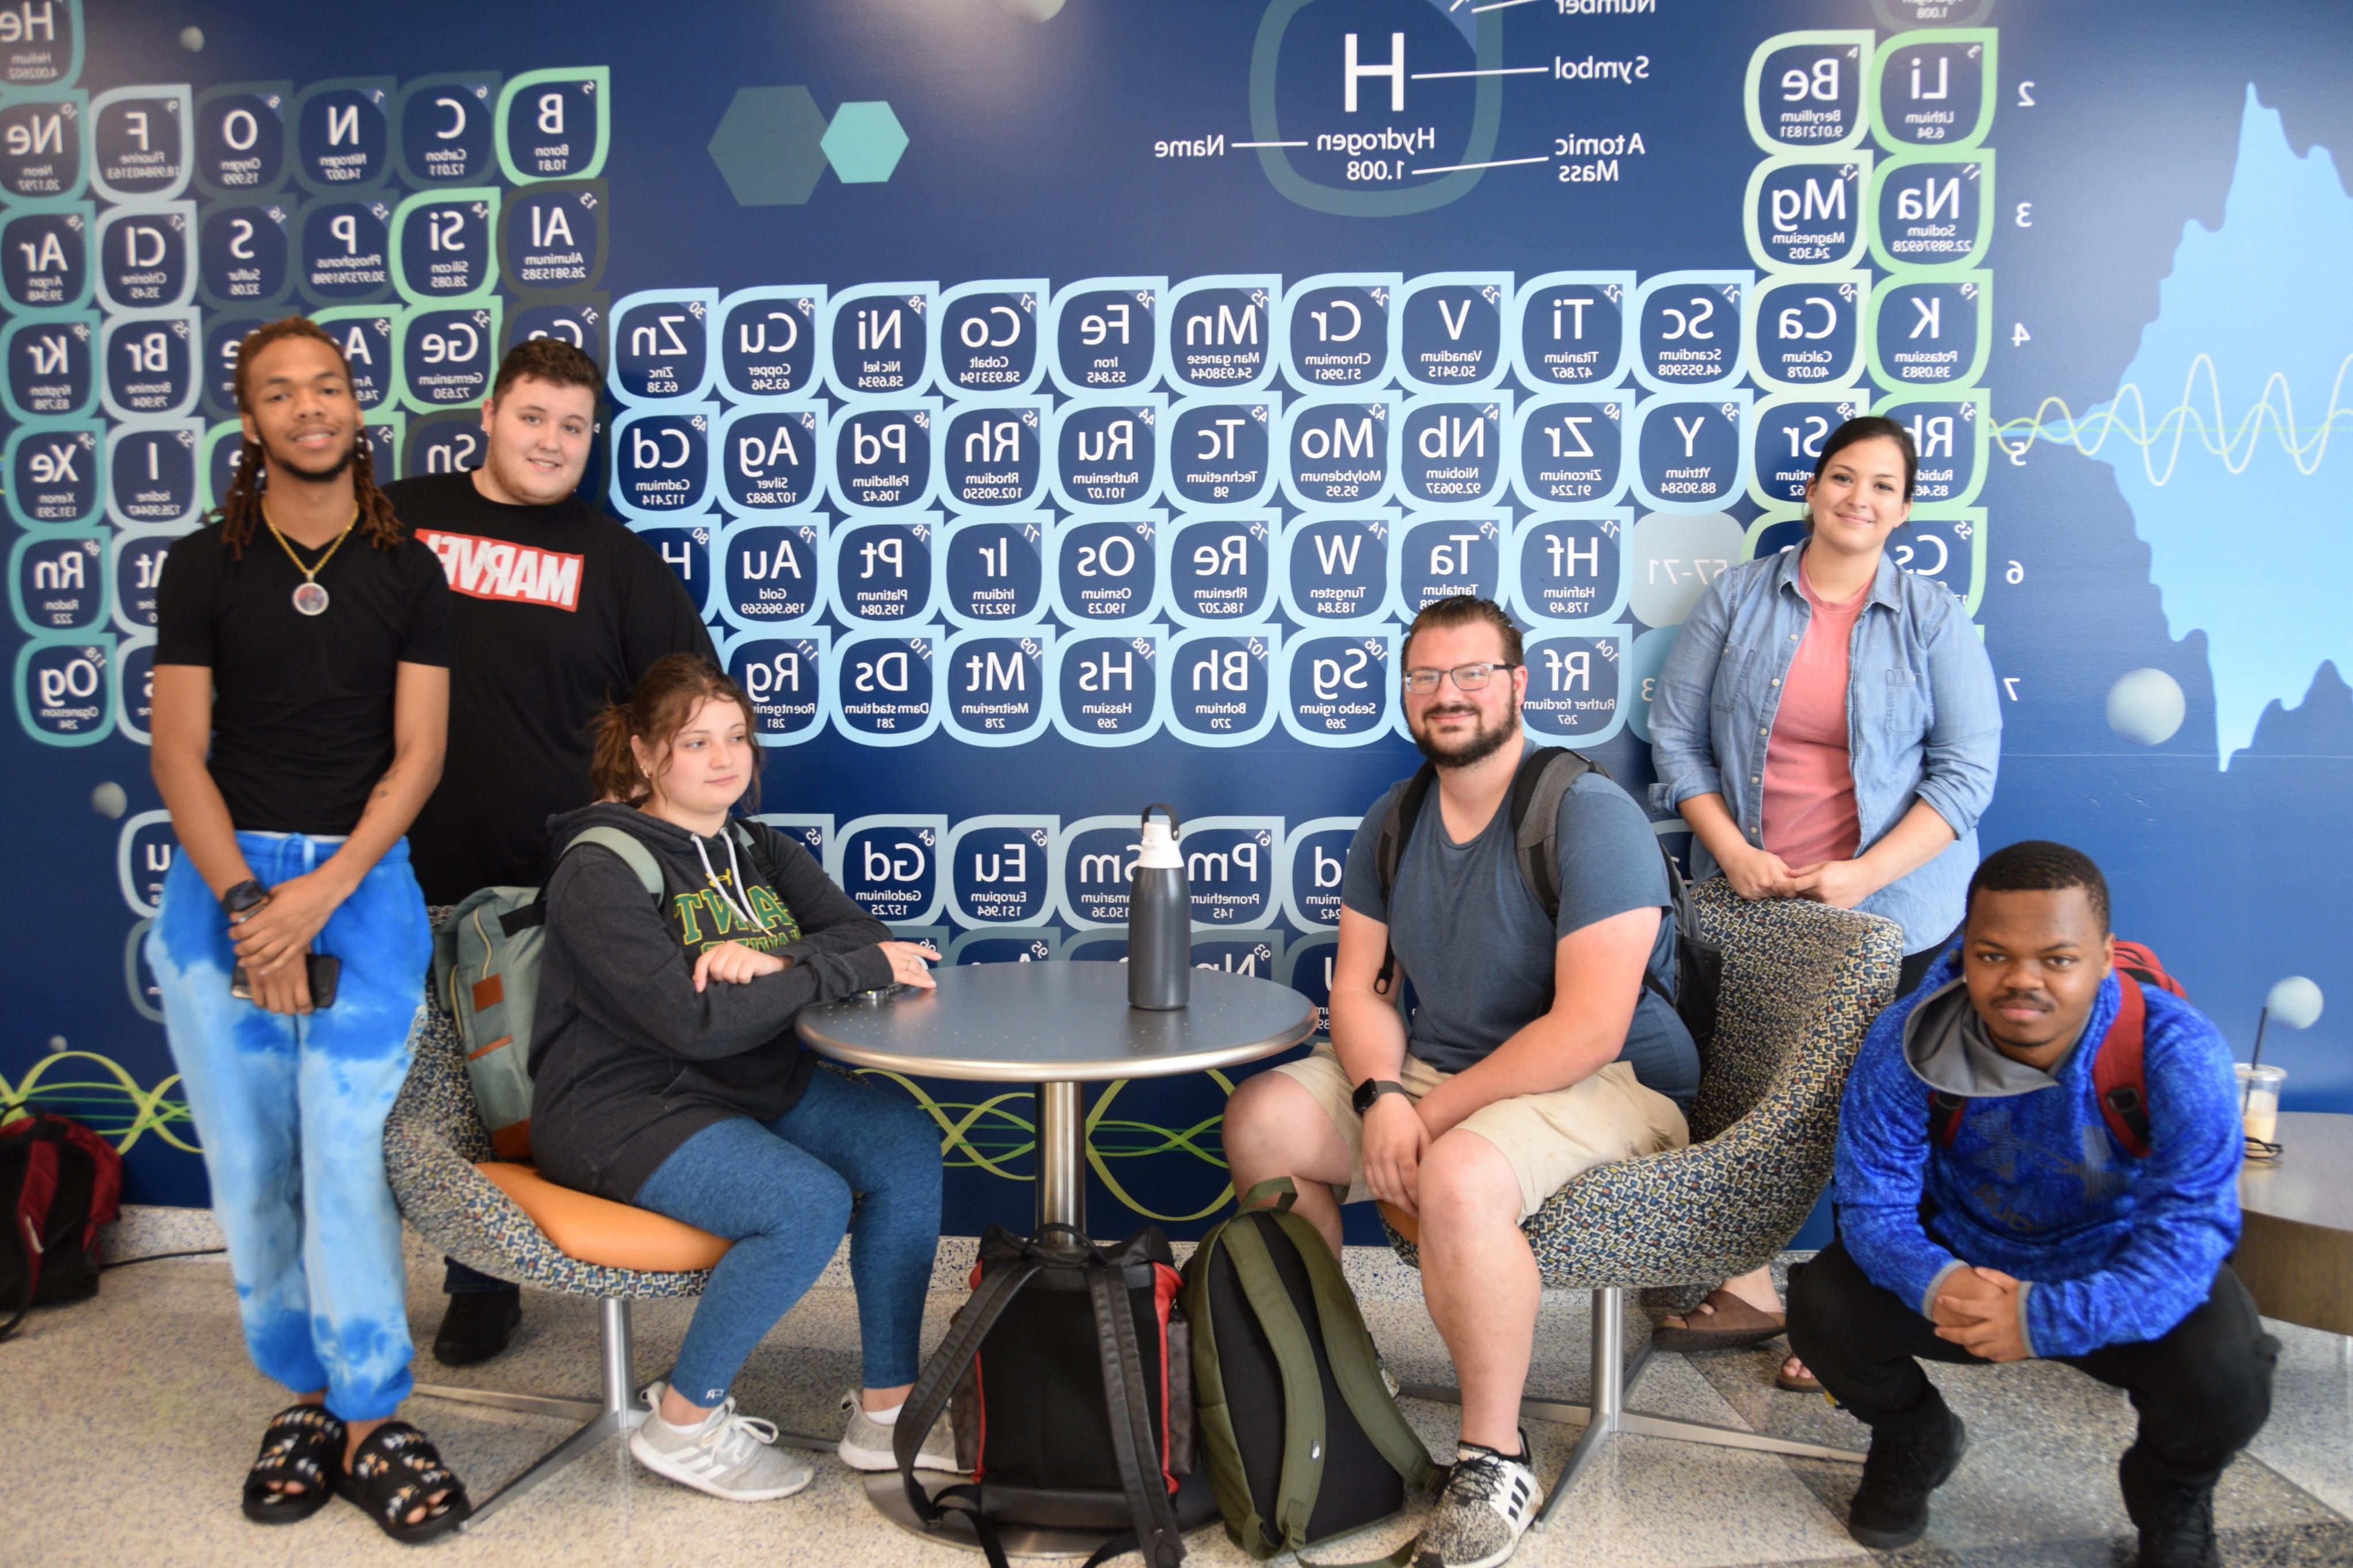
{"points": [[1828, 725]]}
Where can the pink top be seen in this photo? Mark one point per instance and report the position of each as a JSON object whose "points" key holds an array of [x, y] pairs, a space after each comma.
{"points": [[1810, 811]]}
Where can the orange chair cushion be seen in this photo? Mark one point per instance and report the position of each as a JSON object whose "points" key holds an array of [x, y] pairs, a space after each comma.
{"points": [[598, 1230]]}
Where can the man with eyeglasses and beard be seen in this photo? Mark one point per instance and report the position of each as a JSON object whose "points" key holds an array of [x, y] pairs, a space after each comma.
{"points": [[1535, 1051]]}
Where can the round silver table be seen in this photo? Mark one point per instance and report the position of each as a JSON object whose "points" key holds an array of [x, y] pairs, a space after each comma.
{"points": [[2295, 1236], [1057, 1026], [1061, 1027]]}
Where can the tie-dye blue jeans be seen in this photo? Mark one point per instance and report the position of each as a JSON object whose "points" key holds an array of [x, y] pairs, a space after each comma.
{"points": [[290, 1112]]}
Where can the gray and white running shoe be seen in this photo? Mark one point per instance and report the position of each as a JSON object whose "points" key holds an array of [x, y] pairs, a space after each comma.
{"points": [[1490, 1500], [866, 1443], [729, 1456]]}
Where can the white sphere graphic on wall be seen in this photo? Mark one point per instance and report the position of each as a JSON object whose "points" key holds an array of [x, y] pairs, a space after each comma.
{"points": [[2294, 1002], [109, 800], [2146, 706]]}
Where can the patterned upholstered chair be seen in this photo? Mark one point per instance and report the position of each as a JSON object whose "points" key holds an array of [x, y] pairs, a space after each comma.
{"points": [[503, 1218], [1801, 984]]}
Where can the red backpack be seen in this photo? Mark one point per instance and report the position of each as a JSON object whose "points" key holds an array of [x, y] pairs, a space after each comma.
{"points": [[2119, 1067], [58, 1183]]}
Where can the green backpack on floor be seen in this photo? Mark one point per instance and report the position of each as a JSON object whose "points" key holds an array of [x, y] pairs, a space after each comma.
{"points": [[1301, 1437]]}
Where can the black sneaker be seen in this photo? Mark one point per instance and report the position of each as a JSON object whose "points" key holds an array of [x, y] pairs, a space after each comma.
{"points": [[1907, 1463], [477, 1326], [2175, 1522]]}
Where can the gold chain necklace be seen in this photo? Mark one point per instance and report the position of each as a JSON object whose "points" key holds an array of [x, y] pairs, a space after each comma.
{"points": [[309, 598]]}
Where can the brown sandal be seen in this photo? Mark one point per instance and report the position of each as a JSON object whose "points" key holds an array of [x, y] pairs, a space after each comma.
{"points": [[1809, 1383], [1737, 1325]]}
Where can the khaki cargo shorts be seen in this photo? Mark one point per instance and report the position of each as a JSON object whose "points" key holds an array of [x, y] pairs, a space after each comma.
{"points": [[1548, 1140]]}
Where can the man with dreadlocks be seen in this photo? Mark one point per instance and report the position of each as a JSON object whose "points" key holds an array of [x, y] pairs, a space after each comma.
{"points": [[301, 695]]}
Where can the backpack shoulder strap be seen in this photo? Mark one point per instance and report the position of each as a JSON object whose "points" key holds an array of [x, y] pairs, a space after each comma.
{"points": [[1687, 936], [1944, 1117], [2120, 1069], [935, 1384], [1217, 1449], [1544, 776], [1127, 1401], [1356, 1364], [1536, 791], [2139, 961], [1397, 826], [629, 847], [1301, 1477]]}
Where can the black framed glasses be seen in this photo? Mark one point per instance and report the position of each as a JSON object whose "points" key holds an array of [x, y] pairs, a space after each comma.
{"points": [[1466, 677]]}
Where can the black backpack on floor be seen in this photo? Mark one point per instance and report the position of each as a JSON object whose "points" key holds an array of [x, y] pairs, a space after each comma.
{"points": [[1071, 1394], [1300, 1438], [58, 1183], [1544, 776]]}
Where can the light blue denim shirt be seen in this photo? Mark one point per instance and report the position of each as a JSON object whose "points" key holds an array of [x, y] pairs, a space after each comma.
{"points": [[1923, 721]]}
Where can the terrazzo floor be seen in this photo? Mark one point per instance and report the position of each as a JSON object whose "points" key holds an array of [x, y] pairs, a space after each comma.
{"points": [[128, 1423]]}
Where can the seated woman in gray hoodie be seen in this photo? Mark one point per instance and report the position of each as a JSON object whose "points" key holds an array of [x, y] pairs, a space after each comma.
{"points": [[666, 1074]]}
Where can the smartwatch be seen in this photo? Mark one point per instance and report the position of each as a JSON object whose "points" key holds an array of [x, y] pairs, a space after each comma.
{"points": [[245, 898], [1371, 1089]]}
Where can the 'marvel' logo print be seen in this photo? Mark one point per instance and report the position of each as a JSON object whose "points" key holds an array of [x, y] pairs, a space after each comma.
{"points": [[495, 569]]}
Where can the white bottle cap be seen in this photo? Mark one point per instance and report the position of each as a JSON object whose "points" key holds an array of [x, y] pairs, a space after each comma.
{"points": [[1159, 848]]}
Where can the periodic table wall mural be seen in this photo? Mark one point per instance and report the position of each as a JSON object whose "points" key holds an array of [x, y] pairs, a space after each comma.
{"points": [[1057, 406]]}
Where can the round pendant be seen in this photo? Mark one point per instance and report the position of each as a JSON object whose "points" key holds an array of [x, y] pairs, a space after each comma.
{"points": [[310, 599]]}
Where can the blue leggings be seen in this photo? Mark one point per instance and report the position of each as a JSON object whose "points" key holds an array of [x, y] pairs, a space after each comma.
{"points": [[782, 1191]]}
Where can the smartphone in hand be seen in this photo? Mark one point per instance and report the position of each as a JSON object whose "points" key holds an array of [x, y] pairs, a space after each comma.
{"points": [[325, 970]]}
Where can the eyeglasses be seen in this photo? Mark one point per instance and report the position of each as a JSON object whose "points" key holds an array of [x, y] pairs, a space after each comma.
{"points": [[1467, 677]]}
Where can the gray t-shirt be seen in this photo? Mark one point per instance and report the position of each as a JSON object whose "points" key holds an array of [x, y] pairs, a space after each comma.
{"points": [[1472, 937]]}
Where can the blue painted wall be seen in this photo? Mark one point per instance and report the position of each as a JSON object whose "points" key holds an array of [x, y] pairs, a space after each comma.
{"points": [[2127, 245]]}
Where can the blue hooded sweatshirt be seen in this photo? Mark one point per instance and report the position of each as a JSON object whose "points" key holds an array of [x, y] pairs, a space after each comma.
{"points": [[2111, 1248]]}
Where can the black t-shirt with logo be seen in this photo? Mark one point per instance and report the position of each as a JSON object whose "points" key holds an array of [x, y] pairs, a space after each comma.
{"points": [[556, 611], [302, 705]]}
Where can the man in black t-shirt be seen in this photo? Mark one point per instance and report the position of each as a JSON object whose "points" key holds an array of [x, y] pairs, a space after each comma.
{"points": [[556, 610], [301, 696]]}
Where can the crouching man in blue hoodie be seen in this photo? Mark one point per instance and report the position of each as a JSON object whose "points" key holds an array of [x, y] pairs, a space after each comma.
{"points": [[2015, 1222]]}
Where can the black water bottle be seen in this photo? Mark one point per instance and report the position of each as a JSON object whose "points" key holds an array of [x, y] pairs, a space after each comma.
{"points": [[1160, 919]]}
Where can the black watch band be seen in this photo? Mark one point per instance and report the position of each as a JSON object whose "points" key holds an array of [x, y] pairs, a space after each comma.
{"points": [[247, 895], [1371, 1089]]}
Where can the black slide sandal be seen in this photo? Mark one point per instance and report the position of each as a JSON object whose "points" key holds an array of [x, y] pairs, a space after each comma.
{"points": [[396, 1470], [303, 1445]]}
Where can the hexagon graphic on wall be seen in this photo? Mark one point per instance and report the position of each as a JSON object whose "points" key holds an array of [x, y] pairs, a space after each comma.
{"points": [[771, 146], [864, 142]]}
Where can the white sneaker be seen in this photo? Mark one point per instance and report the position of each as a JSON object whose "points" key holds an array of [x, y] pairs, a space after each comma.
{"points": [[866, 1443], [729, 1456], [1491, 1499]]}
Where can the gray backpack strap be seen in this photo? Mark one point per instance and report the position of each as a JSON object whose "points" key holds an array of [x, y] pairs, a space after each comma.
{"points": [[1545, 775], [629, 847], [1388, 853]]}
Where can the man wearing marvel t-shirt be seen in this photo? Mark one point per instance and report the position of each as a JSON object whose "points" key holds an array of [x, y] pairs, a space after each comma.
{"points": [[557, 609]]}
